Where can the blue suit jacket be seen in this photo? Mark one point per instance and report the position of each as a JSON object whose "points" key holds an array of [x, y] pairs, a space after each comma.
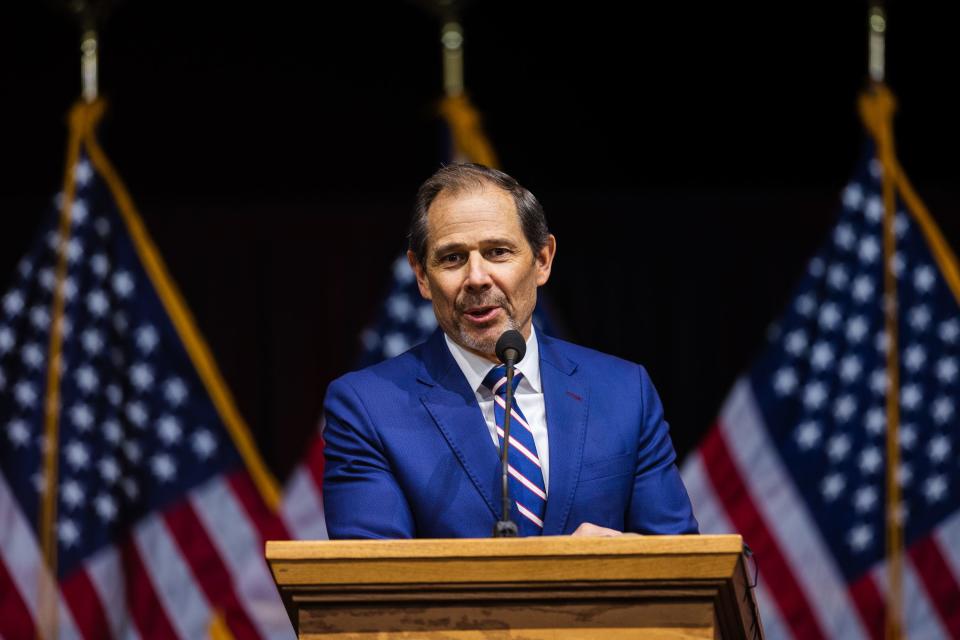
{"points": [[408, 453]]}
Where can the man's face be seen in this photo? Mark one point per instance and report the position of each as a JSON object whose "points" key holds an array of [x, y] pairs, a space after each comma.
{"points": [[479, 270]]}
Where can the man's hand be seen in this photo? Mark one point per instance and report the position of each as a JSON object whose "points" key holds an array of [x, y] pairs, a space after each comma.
{"points": [[594, 531]]}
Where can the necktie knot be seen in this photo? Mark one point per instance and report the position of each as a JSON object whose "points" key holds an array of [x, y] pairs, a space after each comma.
{"points": [[496, 380]]}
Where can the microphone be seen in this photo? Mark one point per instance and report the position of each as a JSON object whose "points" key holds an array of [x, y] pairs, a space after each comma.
{"points": [[510, 349]]}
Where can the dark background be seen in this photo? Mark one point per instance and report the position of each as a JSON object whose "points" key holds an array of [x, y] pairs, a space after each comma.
{"points": [[690, 160]]}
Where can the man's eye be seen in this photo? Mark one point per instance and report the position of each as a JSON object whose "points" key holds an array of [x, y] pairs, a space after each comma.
{"points": [[499, 252], [450, 258]]}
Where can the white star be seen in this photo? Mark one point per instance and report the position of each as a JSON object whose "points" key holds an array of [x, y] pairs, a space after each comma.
{"points": [[47, 279], [13, 303], [856, 329], [32, 356], [203, 443], [81, 416], [874, 209], [865, 499], [879, 381], [74, 250], [837, 276], [822, 356], [814, 395], [875, 421], [796, 342], [163, 467], [82, 173], [79, 212], [25, 268], [853, 196], [919, 317], [141, 376], [114, 395], [844, 408], [816, 267], [169, 429], [71, 494], [850, 368], [102, 226], [18, 433], [935, 488], [924, 278], [910, 396], [426, 318], [131, 450], [808, 435], [947, 370], [53, 240], [942, 410], [175, 391], [92, 342], [838, 447], [137, 413], [875, 168], [900, 224], [40, 318], [69, 289], [77, 455], [829, 316], [860, 537], [950, 331], [914, 357], [106, 507], [907, 436], [939, 448], [86, 378], [394, 344], [832, 486], [109, 470], [123, 284], [112, 431], [844, 237], [904, 474], [882, 341], [402, 271], [25, 394], [130, 488], [399, 307], [146, 338], [862, 288], [97, 303], [99, 265], [870, 460], [805, 304], [785, 381], [869, 249], [68, 532], [7, 341]]}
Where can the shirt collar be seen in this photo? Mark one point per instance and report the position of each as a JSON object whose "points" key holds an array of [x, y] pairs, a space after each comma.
{"points": [[476, 368]]}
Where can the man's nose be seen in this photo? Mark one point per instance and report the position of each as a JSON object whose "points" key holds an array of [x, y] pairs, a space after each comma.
{"points": [[478, 277]]}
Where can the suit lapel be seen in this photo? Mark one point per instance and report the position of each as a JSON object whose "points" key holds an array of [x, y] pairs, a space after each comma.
{"points": [[453, 406], [566, 398]]}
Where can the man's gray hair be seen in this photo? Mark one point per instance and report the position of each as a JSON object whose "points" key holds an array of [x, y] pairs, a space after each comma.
{"points": [[463, 176]]}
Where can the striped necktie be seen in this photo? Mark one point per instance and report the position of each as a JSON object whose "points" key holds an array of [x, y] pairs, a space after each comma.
{"points": [[526, 478]]}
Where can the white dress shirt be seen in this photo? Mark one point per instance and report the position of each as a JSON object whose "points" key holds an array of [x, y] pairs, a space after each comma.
{"points": [[528, 396]]}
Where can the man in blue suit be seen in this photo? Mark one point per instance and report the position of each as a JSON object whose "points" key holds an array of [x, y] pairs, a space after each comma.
{"points": [[412, 443]]}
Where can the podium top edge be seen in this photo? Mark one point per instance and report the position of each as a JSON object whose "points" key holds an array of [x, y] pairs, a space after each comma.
{"points": [[629, 544]]}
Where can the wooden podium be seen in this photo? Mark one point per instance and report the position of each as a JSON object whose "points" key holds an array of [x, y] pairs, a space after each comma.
{"points": [[550, 587]]}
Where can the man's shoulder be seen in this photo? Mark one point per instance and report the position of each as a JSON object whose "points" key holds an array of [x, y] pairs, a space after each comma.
{"points": [[399, 371], [585, 356]]}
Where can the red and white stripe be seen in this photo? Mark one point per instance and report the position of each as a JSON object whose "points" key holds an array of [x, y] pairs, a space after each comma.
{"points": [[515, 417], [529, 515], [529, 455], [737, 482], [303, 498], [522, 479], [167, 578]]}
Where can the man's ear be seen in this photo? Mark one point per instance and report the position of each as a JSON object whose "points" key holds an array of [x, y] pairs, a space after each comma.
{"points": [[421, 274], [544, 259]]}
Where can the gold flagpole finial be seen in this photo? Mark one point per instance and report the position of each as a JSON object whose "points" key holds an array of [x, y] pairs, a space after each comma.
{"points": [[88, 65], [451, 35], [877, 23]]}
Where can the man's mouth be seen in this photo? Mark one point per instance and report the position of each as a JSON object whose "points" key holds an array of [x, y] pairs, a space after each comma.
{"points": [[481, 314]]}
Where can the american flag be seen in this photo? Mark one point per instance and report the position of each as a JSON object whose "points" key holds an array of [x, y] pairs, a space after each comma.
{"points": [[404, 321], [796, 461], [149, 518]]}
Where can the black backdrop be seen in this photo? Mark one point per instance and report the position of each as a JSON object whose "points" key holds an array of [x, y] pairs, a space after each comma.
{"points": [[689, 159]]}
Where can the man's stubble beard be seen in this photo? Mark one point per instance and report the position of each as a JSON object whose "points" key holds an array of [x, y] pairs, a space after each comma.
{"points": [[485, 345]]}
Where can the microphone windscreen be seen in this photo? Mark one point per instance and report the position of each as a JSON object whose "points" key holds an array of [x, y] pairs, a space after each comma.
{"points": [[511, 339]]}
